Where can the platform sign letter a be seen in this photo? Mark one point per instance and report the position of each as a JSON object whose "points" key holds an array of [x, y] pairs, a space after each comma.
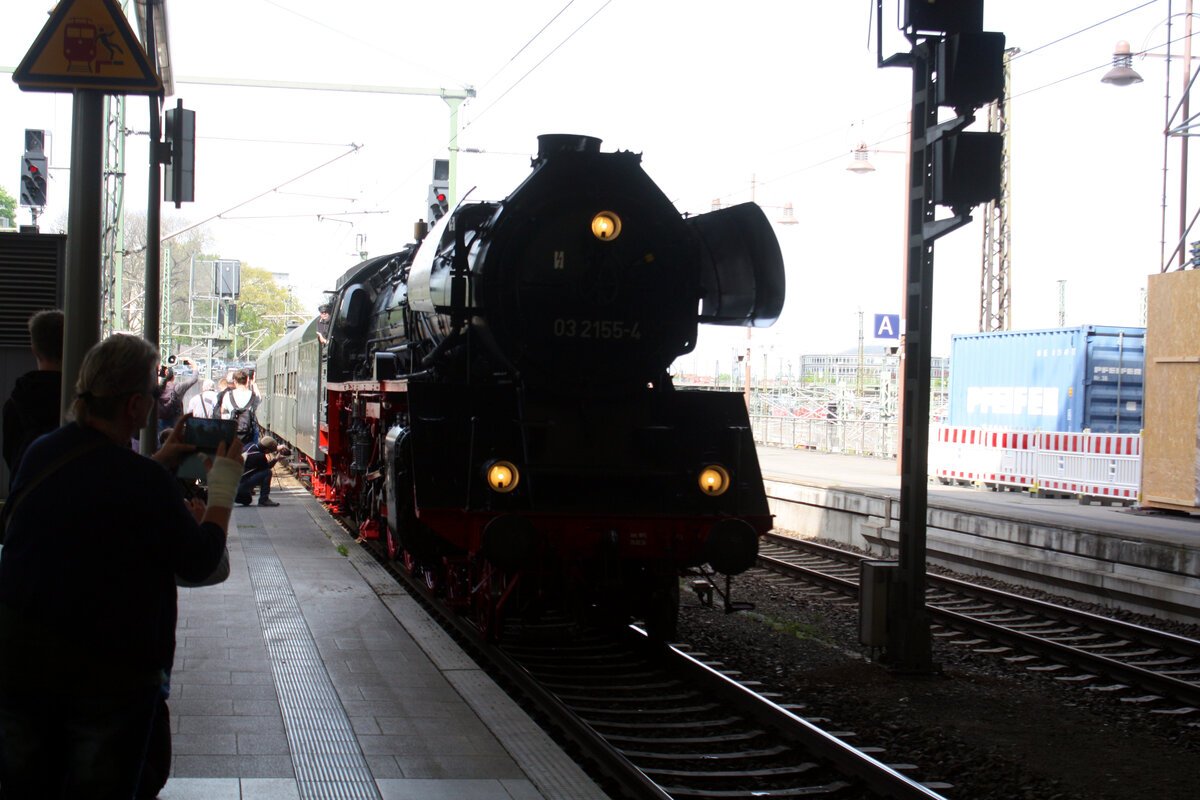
{"points": [[887, 326]]}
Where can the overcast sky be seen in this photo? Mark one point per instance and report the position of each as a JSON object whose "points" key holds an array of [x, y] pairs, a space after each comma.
{"points": [[718, 97]]}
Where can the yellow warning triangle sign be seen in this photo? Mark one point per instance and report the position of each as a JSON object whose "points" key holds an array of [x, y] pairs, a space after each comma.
{"points": [[87, 44]]}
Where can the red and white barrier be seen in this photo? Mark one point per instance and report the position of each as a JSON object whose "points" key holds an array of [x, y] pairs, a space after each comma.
{"points": [[1105, 465]]}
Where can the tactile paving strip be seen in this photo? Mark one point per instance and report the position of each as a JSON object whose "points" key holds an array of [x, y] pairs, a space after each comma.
{"points": [[325, 753]]}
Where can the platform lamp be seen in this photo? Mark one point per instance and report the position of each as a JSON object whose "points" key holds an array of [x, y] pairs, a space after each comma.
{"points": [[859, 164], [1179, 123], [1122, 72]]}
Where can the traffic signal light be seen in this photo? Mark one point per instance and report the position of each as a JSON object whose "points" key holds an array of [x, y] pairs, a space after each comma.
{"points": [[970, 73], [946, 16], [439, 191], [1196, 254], [33, 180], [179, 183]]}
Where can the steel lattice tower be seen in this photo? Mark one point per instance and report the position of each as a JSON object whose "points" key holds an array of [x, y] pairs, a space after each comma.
{"points": [[995, 296], [112, 231]]}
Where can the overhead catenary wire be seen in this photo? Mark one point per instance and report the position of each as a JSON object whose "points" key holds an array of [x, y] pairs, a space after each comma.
{"points": [[1030, 52], [354, 148], [1055, 82], [373, 45], [525, 46], [543, 60], [453, 141]]}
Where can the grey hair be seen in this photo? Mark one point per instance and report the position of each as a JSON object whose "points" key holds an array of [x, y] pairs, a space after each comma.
{"points": [[112, 370]]}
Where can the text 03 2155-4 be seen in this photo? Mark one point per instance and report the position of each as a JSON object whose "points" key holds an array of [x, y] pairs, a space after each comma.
{"points": [[596, 329]]}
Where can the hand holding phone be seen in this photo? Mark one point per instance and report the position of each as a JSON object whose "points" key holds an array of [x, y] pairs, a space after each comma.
{"points": [[206, 434]]}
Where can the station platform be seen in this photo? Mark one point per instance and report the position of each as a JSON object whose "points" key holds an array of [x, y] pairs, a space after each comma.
{"points": [[310, 673], [880, 475], [1147, 561]]}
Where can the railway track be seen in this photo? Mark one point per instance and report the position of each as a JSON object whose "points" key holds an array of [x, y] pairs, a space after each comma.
{"points": [[693, 730], [1092, 651], [656, 722]]}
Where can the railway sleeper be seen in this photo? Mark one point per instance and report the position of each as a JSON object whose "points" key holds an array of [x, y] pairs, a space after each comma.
{"points": [[769, 752], [766, 772], [1163, 662], [824, 790], [732, 738], [1103, 645], [583, 710], [557, 688], [625, 696], [704, 724]]}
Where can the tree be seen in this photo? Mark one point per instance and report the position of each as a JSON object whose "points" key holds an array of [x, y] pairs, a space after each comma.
{"points": [[177, 256], [264, 310], [191, 311], [8, 207]]}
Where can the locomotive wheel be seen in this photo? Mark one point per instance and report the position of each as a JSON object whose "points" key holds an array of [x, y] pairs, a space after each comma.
{"points": [[430, 573], [458, 582], [433, 578], [485, 598], [394, 550]]}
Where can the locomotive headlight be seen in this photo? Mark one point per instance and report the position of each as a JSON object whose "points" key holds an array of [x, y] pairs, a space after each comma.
{"points": [[606, 226], [714, 480], [502, 476]]}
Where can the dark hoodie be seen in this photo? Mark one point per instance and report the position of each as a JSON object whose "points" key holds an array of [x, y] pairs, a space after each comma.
{"points": [[33, 409]]}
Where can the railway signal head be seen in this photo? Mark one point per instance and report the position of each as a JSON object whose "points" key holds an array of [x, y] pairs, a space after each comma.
{"points": [[439, 191], [179, 184], [438, 202], [33, 180], [968, 166]]}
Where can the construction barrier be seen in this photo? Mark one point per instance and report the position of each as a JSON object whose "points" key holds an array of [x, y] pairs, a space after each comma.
{"points": [[1091, 465]]}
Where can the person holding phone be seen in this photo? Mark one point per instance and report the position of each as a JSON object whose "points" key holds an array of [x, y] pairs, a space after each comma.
{"points": [[170, 397], [87, 586]]}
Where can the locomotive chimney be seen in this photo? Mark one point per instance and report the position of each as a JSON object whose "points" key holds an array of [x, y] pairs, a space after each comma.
{"points": [[551, 143]]}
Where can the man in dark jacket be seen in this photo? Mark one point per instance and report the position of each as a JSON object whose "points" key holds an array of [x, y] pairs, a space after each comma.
{"points": [[87, 586], [33, 408], [256, 471]]}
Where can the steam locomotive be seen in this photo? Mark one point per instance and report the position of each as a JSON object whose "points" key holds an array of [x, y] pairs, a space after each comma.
{"points": [[494, 404]]}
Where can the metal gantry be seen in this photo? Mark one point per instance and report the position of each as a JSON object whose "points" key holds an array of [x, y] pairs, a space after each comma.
{"points": [[112, 250]]}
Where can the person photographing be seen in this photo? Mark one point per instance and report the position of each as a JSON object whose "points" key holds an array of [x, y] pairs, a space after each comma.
{"points": [[87, 587], [256, 472]]}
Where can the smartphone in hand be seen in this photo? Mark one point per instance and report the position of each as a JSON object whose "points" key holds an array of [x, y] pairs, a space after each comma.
{"points": [[206, 434]]}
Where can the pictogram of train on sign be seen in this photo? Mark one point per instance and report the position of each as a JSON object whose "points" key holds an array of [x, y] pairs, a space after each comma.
{"points": [[80, 39]]}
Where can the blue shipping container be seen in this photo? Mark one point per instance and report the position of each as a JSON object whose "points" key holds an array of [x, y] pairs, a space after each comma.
{"points": [[1064, 379]]}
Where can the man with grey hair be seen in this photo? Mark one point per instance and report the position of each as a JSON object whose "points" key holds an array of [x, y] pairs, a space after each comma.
{"points": [[87, 582], [33, 408]]}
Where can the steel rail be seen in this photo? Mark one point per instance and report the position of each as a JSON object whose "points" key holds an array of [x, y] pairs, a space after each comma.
{"points": [[1128, 673]]}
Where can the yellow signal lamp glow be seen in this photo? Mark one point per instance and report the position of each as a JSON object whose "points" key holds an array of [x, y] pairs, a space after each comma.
{"points": [[606, 226], [714, 480], [502, 476]]}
